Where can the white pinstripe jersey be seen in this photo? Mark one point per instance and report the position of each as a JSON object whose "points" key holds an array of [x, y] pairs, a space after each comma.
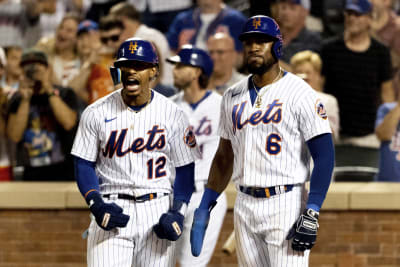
{"points": [[269, 142], [135, 152], [204, 120]]}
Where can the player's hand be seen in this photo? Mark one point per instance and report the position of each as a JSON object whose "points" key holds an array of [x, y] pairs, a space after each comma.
{"points": [[170, 225], [108, 215], [199, 227], [304, 231]]}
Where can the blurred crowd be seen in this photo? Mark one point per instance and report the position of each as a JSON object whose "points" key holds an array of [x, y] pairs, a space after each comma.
{"points": [[56, 57]]}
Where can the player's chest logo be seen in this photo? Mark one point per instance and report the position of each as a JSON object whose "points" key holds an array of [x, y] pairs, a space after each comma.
{"points": [[155, 140], [273, 114], [203, 128]]}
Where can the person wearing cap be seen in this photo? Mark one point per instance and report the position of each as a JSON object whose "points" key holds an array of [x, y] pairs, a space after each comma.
{"points": [[133, 27], [291, 17], [94, 79], [358, 72], [221, 48], [271, 125], [193, 69], [41, 121], [134, 159]]}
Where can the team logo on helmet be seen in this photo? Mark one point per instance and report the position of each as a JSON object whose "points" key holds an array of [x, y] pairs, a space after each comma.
{"points": [[256, 23], [189, 137], [320, 109], [133, 47]]}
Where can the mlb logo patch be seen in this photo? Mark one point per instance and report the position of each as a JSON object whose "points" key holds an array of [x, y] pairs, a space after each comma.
{"points": [[320, 109]]}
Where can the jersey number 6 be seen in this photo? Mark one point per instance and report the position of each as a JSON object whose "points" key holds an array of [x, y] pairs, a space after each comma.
{"points": [[159, 168], [273, 145]]}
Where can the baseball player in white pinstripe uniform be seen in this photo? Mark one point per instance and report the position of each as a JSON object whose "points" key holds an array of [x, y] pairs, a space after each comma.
{"points": [[128, 146], [193, 68], [271, 124]]}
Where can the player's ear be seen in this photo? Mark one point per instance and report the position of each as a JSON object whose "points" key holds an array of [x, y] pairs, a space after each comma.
{"points": [[198, 72], [153, 73]]}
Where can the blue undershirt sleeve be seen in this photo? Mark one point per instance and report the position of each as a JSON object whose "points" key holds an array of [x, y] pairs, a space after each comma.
{"points": [[86, 177], [323, 153], [184, 183]]}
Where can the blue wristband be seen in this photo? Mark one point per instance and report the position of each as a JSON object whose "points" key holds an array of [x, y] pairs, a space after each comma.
{"points": [[209, 199]]}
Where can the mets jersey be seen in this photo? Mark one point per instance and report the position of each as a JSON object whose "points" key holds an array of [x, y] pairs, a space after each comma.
{"points": [[204, 119], [269, 143], [135, 152]]}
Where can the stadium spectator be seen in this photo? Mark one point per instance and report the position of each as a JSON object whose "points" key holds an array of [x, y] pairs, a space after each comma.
{"points": [[133, 27], [53, 11], [5, 163], [100, 8], [110, 29], [94, 80], [61, 50], [159, 14], [42, 119], [291, 17], [387, 129], [13, 71], [358, 73], [196, 25], [19, 22], [307, 65], [221, 48], [386, 29]]}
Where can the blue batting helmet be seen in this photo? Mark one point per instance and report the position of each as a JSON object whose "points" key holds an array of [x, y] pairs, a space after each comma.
{"points": [[266, 26], [136, 49], [193, 56]]}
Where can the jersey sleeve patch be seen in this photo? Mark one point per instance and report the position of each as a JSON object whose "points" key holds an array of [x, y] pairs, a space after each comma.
{"points": [[189, 137], [320, 109]]}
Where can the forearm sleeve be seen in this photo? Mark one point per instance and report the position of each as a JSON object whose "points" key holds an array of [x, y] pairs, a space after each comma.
{"points": [[323, 154]]}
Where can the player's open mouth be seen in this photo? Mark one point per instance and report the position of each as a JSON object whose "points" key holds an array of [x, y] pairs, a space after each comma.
{"points": [[132, 84]]}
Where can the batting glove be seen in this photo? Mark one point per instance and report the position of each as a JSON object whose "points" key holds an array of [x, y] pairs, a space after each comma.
{"points": [[200, 223], [107, 215], [304, 231], [170, 225]]}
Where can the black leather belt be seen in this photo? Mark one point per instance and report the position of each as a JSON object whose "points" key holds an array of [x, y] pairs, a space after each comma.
{"points": [[137, 199], [266, 192]]}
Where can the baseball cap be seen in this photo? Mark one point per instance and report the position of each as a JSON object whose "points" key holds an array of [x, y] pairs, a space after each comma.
{"points": [[86, 26], [359, 6], [305, 3], [33, 56], [3, 60]]}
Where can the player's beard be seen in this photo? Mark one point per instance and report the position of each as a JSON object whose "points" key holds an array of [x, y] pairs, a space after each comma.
{"points": [[182, 84], [257, 69]]}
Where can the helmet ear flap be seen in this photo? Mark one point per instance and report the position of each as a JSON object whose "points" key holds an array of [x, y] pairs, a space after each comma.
{"points": [[277, 50]]}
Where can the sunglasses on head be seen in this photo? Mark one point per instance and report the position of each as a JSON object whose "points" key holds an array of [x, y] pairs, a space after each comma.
{"points": [[112, 38]]}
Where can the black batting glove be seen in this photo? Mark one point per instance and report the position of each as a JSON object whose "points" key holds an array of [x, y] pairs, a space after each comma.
{"points": [[108, 215], [304, 230], [170, 225]]}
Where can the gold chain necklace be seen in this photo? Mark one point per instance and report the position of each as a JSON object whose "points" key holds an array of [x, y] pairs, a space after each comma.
{"points": [[259, 96]]}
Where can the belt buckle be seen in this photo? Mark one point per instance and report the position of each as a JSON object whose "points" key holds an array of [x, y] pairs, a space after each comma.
{"points": [[140, 199]]}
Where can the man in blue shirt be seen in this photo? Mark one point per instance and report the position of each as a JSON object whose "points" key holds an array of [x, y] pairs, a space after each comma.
{"points": [[387, 129], [196, 25]]}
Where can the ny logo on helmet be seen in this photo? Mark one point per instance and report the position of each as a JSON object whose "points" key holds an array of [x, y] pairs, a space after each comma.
{"points": [[133, 47], [256, 23]]}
